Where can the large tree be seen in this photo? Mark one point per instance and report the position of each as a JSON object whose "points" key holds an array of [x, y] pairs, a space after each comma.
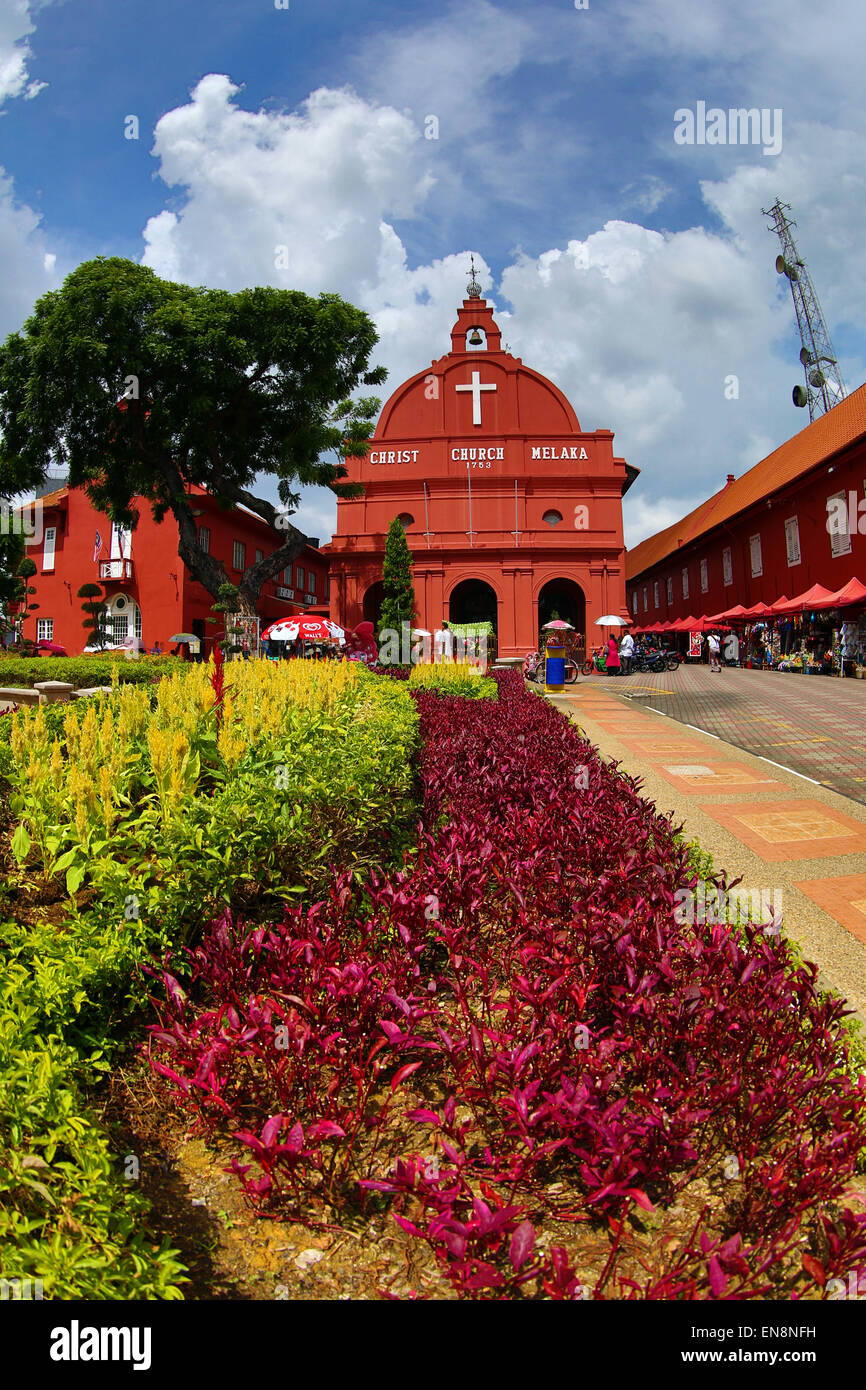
{"points": [[398, 597], [140, 387]]}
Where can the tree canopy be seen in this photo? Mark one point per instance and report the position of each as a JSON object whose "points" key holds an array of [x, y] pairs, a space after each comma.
{"points": [[140, 387]]}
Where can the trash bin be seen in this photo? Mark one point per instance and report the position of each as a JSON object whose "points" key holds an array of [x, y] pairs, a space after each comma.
{"points": [[554, 667]]}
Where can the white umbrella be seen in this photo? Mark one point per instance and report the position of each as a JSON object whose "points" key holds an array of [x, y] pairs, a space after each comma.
{"points": [[558, 626], [611, 620]]}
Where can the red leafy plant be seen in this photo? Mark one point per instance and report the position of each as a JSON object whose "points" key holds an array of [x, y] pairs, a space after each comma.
{"points": [[525, 979]]}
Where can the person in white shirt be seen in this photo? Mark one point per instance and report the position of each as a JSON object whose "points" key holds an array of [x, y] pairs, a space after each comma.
{"points": [[443, 643], [626, 653], [713, 648]]}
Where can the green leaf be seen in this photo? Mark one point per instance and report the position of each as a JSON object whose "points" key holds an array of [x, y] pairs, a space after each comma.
{"points": [[21, 843], [75, 878]]}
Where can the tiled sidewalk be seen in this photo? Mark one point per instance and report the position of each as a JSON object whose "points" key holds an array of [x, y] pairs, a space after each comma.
{"points": [[814, 725], [782, 834]]}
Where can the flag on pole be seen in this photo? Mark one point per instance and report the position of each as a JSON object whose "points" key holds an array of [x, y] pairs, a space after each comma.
{"points": [[97, 547]]}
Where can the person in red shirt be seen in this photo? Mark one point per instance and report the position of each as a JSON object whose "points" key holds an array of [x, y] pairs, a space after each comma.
{"points": [[612, 657]]}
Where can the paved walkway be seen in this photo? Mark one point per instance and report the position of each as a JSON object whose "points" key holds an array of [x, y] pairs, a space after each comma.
{"points": [[815, 725], [796, 841]]}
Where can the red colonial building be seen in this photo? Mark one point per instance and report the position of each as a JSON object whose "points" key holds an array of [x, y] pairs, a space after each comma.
{"points": [[148, 592], [774, 531], [512, 511]]}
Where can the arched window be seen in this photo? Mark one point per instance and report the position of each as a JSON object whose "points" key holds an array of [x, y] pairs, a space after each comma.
{"points": [[122, 618], [553, 517], [407, 520]]}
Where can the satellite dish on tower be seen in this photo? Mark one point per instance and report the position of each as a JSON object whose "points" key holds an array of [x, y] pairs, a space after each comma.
{"points": [[799, 396], [805, 356], [817, 378], [780, 265]]}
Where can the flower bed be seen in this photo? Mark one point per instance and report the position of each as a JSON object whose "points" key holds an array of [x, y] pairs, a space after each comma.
{"points": [[135, 818], [452, 678], [512, 1041]]}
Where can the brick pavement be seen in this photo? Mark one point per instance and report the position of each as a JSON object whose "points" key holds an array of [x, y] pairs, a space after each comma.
{"points": [[812, 725], [786, 838]]}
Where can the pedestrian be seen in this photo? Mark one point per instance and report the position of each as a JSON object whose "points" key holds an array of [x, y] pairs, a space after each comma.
{"points": [[443, 643], [612, 657], [626, 653], [713, 649]]}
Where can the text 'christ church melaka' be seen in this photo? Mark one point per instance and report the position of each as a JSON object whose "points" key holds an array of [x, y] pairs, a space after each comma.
{"points": [[512, 511]]}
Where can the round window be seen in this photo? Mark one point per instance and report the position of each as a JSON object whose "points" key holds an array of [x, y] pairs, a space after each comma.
{"points": [[120, 604], [553, 518], [407, 519]]}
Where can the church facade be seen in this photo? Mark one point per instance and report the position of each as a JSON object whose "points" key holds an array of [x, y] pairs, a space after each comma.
{"points": [[513, 513]]}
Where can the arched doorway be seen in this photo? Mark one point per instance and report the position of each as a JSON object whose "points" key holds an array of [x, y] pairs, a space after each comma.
{"points": [[563, 598], [473, 601], [373, 603]]}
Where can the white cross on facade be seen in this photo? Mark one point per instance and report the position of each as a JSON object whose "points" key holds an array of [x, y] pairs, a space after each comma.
{"points": [[476, 388]]}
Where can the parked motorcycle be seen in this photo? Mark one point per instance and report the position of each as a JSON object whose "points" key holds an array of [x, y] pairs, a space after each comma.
{"points": [[597, 662]]}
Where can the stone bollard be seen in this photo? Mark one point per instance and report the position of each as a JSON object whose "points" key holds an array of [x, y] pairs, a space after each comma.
{"points": [[53, 692]]}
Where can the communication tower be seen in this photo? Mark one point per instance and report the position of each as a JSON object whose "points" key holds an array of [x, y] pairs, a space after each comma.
{"points": [[824, 386]]}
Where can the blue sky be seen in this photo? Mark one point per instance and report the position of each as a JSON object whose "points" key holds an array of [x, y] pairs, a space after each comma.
{"points": [[635, 271]]}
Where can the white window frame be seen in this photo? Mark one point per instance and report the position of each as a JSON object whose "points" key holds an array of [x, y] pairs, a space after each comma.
{"points": [[655, 593], [300, 578], [756, 559], [792, 541], [705, 576], [204, 539], [260, 555], [239, 556], [685, 581], [44, 629], [727, 567], [670, 588], [645, 598], [121, 542], [49, 545], [840, 541], [311, 582]]}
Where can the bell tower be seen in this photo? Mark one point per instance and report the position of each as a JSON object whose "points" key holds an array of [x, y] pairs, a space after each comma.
{"points": [[473, 319]]}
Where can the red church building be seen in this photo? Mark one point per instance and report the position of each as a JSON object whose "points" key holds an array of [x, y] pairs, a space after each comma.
{"points": [[148, 591], [512, 511], [767, 534]]}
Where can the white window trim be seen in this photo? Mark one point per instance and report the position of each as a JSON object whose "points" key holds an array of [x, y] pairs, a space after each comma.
{"points": [[795, 522], [48, 550], [727, 566], [837, 549], [759, 570]]}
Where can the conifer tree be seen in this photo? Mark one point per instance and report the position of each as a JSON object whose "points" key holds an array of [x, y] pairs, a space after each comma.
{"points": [[398, 602]]}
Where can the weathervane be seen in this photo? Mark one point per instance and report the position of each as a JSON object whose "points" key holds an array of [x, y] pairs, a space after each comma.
{"points": [[473, 289]]}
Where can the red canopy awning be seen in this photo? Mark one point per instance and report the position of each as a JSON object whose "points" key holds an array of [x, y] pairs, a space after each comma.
{"points": [[763, 610], [738, 611], [688, 624], [802, 602], [852, 592]]}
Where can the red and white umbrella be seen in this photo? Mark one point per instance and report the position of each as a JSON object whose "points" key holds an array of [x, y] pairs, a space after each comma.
{"points": [[308, 629]]}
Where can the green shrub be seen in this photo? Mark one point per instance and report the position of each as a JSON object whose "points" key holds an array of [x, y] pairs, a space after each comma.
{"points": [[68, 1216], [83, 671]]}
